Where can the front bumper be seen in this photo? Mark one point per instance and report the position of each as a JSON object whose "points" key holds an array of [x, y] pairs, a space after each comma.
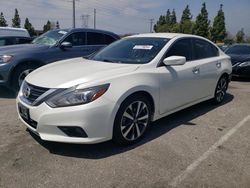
{"points": [[95, 118], [4, 74]]}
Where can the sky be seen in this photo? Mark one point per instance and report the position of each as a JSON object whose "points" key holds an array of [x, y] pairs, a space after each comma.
{"points": [[123, 16]]}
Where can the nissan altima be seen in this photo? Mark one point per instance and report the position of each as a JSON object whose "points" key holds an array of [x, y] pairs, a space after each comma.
{"points": [[118, 91]]}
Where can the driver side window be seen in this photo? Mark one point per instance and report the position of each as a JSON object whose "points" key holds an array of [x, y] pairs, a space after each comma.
{"points": [[182, 47], [77, 39]]}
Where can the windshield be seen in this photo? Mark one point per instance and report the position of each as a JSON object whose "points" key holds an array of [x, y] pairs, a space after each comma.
{"points": [[50, 38], [138, 50]]}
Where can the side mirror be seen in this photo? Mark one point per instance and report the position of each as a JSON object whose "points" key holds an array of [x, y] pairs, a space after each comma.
{"points": [[174, 60], [66, 45]]}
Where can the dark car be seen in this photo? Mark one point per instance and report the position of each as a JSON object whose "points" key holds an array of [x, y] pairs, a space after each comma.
{"points": [[17, 61], [223, 47], [240, 57], [12, 40]]}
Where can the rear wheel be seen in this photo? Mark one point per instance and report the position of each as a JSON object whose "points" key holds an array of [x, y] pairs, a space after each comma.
{"points": [[20, 74], [132, 120], [221, 90]]}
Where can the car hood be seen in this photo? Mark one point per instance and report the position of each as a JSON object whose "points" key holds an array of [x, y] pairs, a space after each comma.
{"points": [[72, 72], [21, 48], [239, 58]]}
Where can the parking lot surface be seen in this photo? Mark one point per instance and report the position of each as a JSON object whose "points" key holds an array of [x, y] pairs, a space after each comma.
{"points": [[203, 146]]}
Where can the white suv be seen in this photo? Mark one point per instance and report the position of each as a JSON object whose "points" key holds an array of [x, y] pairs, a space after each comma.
{"points": [[117, 92], [12, 31]]}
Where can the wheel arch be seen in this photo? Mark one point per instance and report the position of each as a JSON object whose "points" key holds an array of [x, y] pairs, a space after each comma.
{"points": [[147, 94], [20, 64]]}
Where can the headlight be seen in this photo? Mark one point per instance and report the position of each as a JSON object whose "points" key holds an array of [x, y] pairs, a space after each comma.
{"points": [[73, 96], [244, 64], [5, 59]]}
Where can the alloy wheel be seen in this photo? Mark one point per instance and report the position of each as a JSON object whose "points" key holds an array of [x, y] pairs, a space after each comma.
{"points": [[135, 120], [221, 89]]}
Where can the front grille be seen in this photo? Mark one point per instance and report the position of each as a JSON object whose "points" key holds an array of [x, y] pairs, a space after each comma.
{"points": [[31, 92]]}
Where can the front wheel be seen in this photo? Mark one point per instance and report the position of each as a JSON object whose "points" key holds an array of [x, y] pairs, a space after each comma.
{"points": [[132, 120], [221, 90], [20, 74]]}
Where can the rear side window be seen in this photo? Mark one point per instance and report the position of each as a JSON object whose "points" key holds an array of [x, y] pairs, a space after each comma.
{"points": [[182, 47], [203, 49], [108, 39], [95, 38], [76, 39]]}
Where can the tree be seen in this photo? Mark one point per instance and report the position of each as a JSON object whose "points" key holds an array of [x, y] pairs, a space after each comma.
{"points": [[16, 21], [168, 17], [29, 27], [240, 36], [186, 24], [47, 26], [162, 25], [167, 23], [248, 39], [57, 25], [174, 26], [218, 31], [3, 22], [173, 19], [202, 23]]}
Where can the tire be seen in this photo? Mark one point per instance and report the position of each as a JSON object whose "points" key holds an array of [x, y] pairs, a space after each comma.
{"points": [[132, 122], [221, 89], [19, 75]]}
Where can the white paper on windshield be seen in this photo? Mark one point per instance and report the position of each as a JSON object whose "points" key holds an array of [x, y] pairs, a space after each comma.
{"points": [[143, 47], [62, 32]]}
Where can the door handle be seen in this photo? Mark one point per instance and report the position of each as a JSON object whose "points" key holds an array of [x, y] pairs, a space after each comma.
{"points": [[218, 65], [196, 70]]}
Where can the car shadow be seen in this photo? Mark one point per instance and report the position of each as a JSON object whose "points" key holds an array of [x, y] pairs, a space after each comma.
{"points": [[7, 93], [158, 128]]}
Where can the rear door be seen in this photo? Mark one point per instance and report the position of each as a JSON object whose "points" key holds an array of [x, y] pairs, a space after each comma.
{"points": [[206, 56]]}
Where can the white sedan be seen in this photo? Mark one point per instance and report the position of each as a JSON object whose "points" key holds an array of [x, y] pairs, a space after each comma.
{"points": [[117, 92]]}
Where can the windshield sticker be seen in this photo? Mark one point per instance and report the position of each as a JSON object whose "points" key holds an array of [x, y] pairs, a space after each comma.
{"points": [[143, 47], [62, 32]]}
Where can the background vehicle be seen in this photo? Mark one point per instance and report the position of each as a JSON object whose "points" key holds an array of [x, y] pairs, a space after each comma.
{"points": [[223, 47], [117, 93], [5, 41], [11, 31], [17, 61], [240, 57]]}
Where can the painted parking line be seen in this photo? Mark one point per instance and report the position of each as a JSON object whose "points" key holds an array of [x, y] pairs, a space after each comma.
{"points": [[177, 180]]}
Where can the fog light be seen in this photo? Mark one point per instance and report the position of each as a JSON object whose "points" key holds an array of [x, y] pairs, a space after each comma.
{"points": [[73, 131]]}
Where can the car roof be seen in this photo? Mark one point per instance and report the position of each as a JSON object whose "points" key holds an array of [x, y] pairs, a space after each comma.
{"points": [[164, 35], [89, 30], [11, 31], [240, 45], [12, 28]]}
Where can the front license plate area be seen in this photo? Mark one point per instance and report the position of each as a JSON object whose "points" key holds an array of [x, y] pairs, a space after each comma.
{"points": [[24, 112]]}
